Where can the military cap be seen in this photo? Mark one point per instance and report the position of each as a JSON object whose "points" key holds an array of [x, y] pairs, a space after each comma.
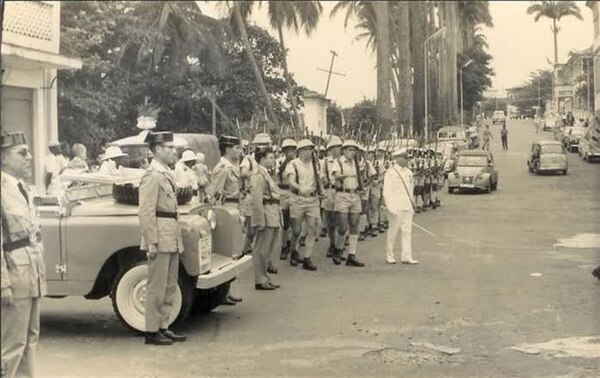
{"points": [[159, 137], [288, 143], [349, 143], [305, 143], [13, 139], [262, 138], [334, 141], [228, 140], [400, 152]]}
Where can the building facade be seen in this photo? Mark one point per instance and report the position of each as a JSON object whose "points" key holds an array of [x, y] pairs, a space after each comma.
{"points": [[30, 60], [314, 112], [595, 7]]}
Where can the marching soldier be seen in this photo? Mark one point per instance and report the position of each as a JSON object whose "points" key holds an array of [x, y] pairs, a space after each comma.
{"points": [[347, 203], [367, 173], [161, 238], [334, 149], [436, 184], [303, 179], [288, 147], [23, 274], [266, 218]]}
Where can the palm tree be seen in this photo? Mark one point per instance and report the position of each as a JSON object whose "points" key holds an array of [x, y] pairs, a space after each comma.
{"points": [[294, 15], [471, 14], [554, 10], [402, 54]]}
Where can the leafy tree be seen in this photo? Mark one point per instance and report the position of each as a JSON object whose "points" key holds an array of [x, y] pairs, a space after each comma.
{"points": [[476, 76], [528, 94]]}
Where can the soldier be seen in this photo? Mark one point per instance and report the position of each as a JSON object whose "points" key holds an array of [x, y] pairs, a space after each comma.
{"points": [[266, 218], [161, 238], [367, 173], [224, 187], [303, 179], [437, 180], [23, 274], [347, 203], [397, 192], [334, 149], [427, 178], [417, 169], [288, 147], [185, 177]]}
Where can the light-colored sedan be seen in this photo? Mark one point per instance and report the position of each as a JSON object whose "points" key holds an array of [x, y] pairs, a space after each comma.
{"points": [[548, 156], [475, 170]]}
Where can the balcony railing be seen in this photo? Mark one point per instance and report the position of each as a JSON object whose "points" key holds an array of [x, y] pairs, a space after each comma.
{"points": [[32, 24]]}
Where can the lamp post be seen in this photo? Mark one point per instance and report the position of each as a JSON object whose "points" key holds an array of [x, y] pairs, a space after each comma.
{"points": [[462, 121], [441, 31]]}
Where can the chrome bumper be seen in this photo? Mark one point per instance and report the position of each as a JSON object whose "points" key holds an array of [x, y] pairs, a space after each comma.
{"points": [[224, 273]]}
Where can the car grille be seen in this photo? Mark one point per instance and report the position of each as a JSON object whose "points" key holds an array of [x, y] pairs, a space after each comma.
{"points": [[467, 179]]}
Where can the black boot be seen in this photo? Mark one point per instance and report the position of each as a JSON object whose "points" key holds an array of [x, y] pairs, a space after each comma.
{"points": [[294, 258], [285, 251], [271, 269], [330, 251], [308, 265], [172, 335], [157, 338], [337, 256], [352, 261], [381, 228], [374, 231]]}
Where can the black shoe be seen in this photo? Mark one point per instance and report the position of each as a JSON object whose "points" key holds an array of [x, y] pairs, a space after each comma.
{"points": [[374, 233], [337, 254], [294, 258], [173, 336], [264, 286], [381, 229], [273, 285], [157, 338], [271, 269], [308, 265], [302, 241], [285, 252], [352, 261], [330, 251]]}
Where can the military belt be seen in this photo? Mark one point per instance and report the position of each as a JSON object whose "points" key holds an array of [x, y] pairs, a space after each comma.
{"points": [[297, 192], [351, 191], [21, 243], [271, 201], [166, 214]]}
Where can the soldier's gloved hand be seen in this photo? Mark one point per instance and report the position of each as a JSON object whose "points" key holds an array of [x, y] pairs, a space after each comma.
{"points": [[152, 251], [7, 297]]}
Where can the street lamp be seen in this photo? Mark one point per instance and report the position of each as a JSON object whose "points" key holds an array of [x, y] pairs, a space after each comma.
{"points": [[441, 31], [462, 121]]}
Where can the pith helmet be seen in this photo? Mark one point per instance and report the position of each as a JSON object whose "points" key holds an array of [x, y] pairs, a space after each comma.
{"points": [[262, 138], [349, 143], [334, 141], [305, 143], [288, 143]]}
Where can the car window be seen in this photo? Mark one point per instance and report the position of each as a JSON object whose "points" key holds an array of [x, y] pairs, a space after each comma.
{"points": [[552, 149], [472, 161]]}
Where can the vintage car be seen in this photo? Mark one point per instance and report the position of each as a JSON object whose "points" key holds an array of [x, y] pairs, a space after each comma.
{"points": [[549, 124], [498, 117], [454, 134], [474, 171], [572, 137], [92, 247], [589, 145], [547, 156]]}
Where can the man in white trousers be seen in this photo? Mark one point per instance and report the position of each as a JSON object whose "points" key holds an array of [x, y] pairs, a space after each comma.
{"points": [[398, 196]]}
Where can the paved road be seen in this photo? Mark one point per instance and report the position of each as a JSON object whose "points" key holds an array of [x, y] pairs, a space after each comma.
{"points": [[457, 313]]}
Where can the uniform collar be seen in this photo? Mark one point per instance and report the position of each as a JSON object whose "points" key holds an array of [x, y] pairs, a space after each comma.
{"points": [[12, 180], [226, 161], [160, 167]]}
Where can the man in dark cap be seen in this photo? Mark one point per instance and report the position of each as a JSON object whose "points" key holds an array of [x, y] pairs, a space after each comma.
{"points": [[161, 238], [23, 274], [225, 182]]}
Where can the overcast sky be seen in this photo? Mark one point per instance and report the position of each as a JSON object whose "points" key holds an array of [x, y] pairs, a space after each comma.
{"points": [[518, 46]]}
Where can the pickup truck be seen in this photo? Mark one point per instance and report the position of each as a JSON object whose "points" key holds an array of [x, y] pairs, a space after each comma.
{"points": [[92, 249]]}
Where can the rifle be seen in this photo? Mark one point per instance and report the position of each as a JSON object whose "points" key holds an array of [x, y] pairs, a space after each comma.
{"points": [[316, 173]]}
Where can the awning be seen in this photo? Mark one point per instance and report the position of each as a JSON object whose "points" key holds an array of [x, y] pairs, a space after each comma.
{"points": [[26, 59]]}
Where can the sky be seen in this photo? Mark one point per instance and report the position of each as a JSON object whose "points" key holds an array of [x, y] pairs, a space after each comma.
{"points": [[517, 44]]}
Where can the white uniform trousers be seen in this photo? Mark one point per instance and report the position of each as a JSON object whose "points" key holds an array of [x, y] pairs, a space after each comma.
{"points": [[20, 335], [402, 221]]}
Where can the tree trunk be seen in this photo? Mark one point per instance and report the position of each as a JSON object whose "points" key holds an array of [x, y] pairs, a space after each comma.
{"points": [[384, 65], [288, 81], [452, 62], [555, 32], [255, 69], [418, 23], [405, 90]]}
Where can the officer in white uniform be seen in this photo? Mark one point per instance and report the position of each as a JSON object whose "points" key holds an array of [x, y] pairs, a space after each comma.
{"points": [[398, 195], [23, 273]]}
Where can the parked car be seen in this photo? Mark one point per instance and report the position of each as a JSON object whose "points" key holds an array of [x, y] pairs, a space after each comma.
{"points": [[475, 170], [589, 144], [454, 134], [92, 248], [548, 156], [499, 117], [572, 137]]}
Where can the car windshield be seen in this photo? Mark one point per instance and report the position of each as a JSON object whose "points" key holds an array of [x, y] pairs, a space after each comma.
{"points": [[552, 149], [452, 134], [577, 131], [473, 161]]}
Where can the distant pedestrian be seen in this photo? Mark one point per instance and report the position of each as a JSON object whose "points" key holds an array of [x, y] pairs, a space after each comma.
{"points": [[504, 137], [487, 135]]}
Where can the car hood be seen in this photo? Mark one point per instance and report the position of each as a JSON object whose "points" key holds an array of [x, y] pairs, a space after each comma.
{"points": [[107, 206], [469, 171]]}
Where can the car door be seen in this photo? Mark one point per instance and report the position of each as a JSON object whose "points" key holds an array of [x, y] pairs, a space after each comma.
{"points": [[493, 170]]}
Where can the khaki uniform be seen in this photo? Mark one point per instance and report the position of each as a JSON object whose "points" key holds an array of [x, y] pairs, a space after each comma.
{"points": [[284, 188], [24, 272], [266, 212], [225, 183], [329, 183], [347, 199], [158, 223], [303, 175], [248, 167]]}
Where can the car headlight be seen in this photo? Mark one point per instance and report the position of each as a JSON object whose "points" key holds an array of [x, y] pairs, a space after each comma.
{"points": [[211, 217]]}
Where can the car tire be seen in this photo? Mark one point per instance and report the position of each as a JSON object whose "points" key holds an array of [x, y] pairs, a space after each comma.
{"points": [[564, 172], [128, 297], [450, 190], [208, 300]]}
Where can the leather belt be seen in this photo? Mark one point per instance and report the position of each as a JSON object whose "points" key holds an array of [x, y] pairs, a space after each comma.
{"points": [[296, 192], [284, 187], [231, 200], [166, 214], [351, 191], [271, 201], [17, 244]]}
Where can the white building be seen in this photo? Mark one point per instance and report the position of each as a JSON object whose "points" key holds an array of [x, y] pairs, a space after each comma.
{"points": [[30, 60], [314, 112], [595, 7]]}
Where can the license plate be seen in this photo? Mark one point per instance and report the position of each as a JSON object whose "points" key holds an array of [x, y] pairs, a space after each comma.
{"points": [[205, 245], [467, 185]]}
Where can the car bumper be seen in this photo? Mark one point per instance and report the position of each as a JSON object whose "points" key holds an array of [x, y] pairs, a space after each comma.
{"points": [[223, 270], [552, 168]]}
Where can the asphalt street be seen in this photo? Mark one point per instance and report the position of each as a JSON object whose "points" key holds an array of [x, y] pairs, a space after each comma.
{"points": [[490, 280]]}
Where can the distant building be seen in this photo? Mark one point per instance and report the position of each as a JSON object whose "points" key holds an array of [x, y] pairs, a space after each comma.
{"points": [[30, 60], [570, 87], [595, 7], [314, 112]]}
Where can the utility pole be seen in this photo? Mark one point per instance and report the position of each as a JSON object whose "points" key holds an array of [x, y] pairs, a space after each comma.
{"points": [[330, 71]]}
